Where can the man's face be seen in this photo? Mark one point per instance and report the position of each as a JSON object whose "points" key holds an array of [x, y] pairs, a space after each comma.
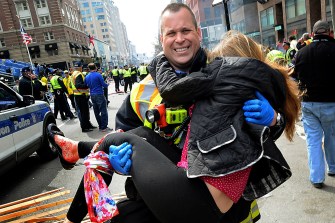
{"points": [[286, 47], [180, 39]]}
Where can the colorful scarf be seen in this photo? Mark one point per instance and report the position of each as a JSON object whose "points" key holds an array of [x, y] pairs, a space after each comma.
{"points": [[100, 204]]}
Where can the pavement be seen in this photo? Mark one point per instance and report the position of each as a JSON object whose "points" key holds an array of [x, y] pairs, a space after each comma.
{"points": [[297, 200]]}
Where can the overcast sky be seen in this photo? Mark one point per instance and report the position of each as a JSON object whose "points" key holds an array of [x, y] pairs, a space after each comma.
{"points": [[141, 19]]}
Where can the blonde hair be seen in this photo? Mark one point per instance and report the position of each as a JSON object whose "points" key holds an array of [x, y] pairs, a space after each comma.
{"points": [[236, 44]]}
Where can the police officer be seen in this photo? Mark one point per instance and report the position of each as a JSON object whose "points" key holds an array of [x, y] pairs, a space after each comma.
{"points": [[127, 78], [59, 91], [81, 97], [290, 52], [116, 78], [143, 71], [133, 71], [30, 85]]}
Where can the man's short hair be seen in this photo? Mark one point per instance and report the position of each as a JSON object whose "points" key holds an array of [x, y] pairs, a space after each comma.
{"points": [[286, 43], [321, 27], [92, 66], [175, 7]]}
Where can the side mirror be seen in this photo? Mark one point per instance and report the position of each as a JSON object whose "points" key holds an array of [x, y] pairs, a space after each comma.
{"points": [[28, 100]]}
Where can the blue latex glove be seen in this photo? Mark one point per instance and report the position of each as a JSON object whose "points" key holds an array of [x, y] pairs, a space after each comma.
{"points": [[258, 111], [119, 157]]}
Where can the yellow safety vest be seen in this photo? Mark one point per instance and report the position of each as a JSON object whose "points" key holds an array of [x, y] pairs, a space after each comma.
{"points": [[76, 91], [127, 73], [145, 96], [67, 83], [142, 70], [115, 72], [54, 82]]}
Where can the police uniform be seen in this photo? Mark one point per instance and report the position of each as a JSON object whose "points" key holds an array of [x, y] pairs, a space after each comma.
{"points": [[127, 79], [143, 71], [116, 78], [60, 101]]}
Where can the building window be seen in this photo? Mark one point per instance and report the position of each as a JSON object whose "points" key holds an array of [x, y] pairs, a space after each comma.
{"points": [[2, 42], [48, 36], [100, 17], [35, 55], [26, 22], [21, 6], [85, 5], [91, 25], [97, 4], [267, 18], [207, 12], [44, 20], [40, 4], [218, 11], [295, 8], [99, 10]]}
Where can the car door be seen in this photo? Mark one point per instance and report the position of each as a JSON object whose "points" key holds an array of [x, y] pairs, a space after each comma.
{"points": [[7, 149]]}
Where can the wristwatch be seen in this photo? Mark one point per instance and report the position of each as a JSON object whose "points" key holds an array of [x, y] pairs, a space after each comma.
{"points": [[279, 120]]}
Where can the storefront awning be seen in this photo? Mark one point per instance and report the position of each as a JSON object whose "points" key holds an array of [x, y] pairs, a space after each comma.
{"points": [[4, 54], [34, 49], [51, 46], [72, 45], [85, 47]]}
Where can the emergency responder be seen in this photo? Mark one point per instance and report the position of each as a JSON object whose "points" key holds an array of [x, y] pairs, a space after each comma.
{"points": [[127, 78], [290, 52], [143, 71], [67, 83], [277, 56], [116, 78], [81, 96], [29, 84], [59, 91], [304, 41], [134, 73]]}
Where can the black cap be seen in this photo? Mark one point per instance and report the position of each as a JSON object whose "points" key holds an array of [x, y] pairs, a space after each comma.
{"points": [[26, 69]]}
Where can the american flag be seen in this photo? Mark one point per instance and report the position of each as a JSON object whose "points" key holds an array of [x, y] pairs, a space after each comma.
{"points": [[26, 38], [91, 39]]}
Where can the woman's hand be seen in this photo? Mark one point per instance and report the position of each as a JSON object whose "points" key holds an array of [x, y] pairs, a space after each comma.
{"points": [[119, 157]]}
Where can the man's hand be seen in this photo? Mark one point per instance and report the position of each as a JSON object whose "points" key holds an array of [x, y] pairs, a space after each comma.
{"points": [[259, 111], [119, 157]]}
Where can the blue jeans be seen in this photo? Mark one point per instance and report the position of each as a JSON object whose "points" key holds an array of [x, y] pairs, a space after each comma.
{"points": [[100, 110], [319, 121]]}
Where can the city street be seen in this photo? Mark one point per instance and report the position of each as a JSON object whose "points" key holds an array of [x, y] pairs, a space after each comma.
{"points": [[293, 202]]}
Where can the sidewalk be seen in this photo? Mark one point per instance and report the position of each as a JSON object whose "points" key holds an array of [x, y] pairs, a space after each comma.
{"points": [[297, 200]]}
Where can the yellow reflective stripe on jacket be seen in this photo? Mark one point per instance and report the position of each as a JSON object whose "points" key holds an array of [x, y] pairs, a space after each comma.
{"points": [[254, 212], [144, 96]]}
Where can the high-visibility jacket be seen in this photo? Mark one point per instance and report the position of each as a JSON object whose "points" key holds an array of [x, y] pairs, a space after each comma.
{"points": [[142, 70], [54, 82], [145, 96], [67, 83], [127, 73], [133, 70], [287, 55], [76, 91], [115, 72]]}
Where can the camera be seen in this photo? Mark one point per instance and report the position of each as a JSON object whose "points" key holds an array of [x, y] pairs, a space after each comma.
{"points": [[175, 115]]}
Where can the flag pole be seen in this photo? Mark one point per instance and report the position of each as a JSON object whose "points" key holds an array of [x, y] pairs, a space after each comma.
{"points": [[31, 63]]}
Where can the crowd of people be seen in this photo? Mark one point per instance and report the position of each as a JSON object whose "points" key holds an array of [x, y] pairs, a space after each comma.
{"points": [[84, 87], [214, 114]]}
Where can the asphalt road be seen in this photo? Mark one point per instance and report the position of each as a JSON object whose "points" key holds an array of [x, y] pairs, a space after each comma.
{"points": [[296, 201]]}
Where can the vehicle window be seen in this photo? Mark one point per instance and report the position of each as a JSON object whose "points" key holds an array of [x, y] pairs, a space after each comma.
{"points": [[7, 100]]}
